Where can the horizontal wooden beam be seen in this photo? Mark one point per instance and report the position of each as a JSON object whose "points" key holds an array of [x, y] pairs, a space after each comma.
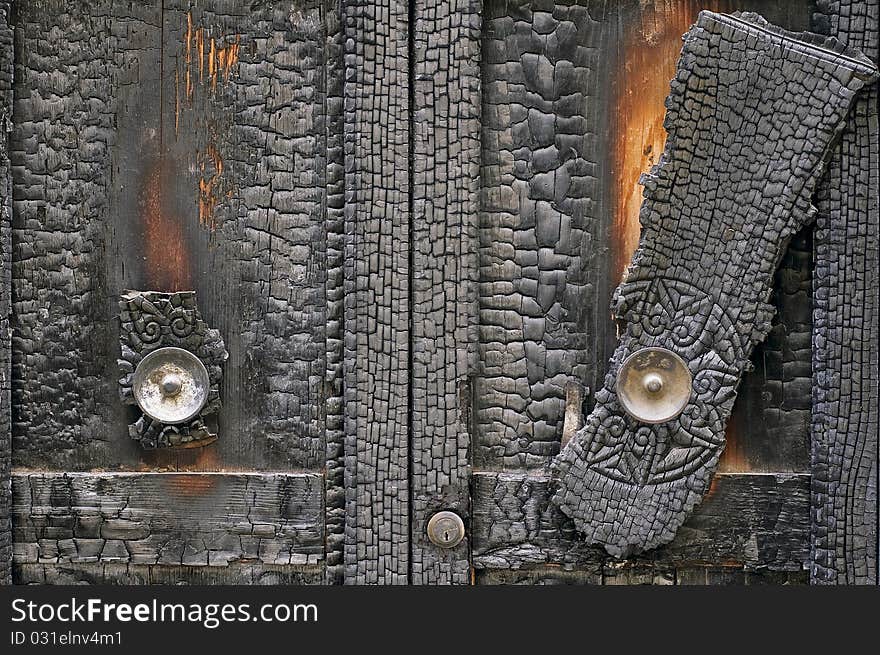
{"points": [[120, 573], [174, 519], [748, 520]]}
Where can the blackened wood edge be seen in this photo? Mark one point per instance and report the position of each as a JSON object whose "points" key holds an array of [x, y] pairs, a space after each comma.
{"points": [[6, 72], [846, 318], [377, 292], [749, 521], [445, 195], [170, 519]]}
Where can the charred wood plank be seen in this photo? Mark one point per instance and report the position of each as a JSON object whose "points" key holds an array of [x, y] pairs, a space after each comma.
{"points": [[334, 433], [245, 140], [6, 76], [184, 148], [117, 573], [751, 116], [65, 412], [648, 575], [377, 291], [846, 296], [445, 196], [541, 231], [173, 519], [753, 521]]}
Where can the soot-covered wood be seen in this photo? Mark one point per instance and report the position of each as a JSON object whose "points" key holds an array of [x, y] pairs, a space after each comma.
{"points": [[377, 291], [751, 115], [445, 195], [846, 409], [170, 147], [118, 573], [747, 521], [174, 519], [6, 73], [538, 225]]}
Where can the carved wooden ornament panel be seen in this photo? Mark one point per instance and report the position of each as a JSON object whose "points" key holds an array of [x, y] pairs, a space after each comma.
{"points": [[751, 116]]}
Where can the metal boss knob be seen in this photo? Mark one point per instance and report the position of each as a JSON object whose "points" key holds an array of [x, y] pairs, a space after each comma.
{"points": [[171, 385], [654, 385]]}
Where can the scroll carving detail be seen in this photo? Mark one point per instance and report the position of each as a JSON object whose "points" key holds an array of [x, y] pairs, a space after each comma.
{"points": [[151, 320]]}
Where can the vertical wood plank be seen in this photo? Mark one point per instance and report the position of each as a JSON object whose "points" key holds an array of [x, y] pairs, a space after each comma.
{"points": [[6, 72], [377, 291], [334, 435], [78, 167], [846, 317], [446, 156]]}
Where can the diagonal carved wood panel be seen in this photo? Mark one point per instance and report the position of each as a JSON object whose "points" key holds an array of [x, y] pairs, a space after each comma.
{"points": [[751, 115]]}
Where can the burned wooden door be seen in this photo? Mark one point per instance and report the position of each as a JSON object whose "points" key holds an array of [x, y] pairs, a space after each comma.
{"points": [[391, 232]]}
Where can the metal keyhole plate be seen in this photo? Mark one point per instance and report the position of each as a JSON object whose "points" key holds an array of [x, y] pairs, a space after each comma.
{"points": [[654, 385], [446, 529], [171, 385]]}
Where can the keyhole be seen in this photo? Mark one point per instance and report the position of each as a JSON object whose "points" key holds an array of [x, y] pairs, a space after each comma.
{"points": [[445, 529]]}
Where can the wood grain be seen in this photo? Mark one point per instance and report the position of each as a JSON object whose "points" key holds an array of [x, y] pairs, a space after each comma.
{"points": [[750, 521], [171, 519]]}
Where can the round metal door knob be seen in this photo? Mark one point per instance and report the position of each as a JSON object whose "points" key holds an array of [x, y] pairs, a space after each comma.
{"points": [[171, 385], [446, 529], [654, 385]]}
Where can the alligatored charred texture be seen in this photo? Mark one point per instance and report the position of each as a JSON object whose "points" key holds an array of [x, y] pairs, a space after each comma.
{"points": [[446, 162], [377, 291], [126, 178], [746, 521], [6, 72], [406, 219], [846, 415], [538, 266], [175, 519], [752, 113]]}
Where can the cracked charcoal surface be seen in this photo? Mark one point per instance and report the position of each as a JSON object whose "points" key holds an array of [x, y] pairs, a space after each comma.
{"points": [[6, 74], [731, 188], [334, 471], [123, 573], [63, 378], [846, 418], [538, 227], [264, 285], [172, 519], [769, 430], [110, 150], [444, 270], [749, 521], [377, 308]]}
